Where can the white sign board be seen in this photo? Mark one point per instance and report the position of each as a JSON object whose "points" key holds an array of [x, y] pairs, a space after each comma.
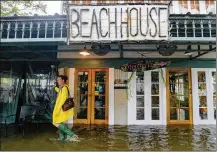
{"points": [[118, 23]]}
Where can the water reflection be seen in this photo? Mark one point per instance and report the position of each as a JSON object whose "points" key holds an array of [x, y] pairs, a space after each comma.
{"points": [[121, 138]]}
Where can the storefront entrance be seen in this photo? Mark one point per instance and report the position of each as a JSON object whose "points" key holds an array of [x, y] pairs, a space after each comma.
{"points": [[179, 96], [91, 96]]}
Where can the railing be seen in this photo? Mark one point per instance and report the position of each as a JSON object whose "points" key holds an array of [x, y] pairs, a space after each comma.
{"points": [[33, 29], [192, 28], [54, 28]]}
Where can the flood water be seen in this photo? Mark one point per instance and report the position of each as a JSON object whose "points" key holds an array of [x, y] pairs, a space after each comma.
{"points": [[118, 138]]}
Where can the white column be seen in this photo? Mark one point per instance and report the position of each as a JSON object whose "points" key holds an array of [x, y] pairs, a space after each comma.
{"points": [[147, 93], [71, 80], [163, 99], [195, 105], [132, 100], [111, 97]]}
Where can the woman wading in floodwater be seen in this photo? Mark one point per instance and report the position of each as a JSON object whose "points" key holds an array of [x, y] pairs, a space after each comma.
{"points": [[60, 116]]}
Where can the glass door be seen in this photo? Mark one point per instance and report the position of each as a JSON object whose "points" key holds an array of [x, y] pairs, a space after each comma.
{"points": [[99, 103], [179, 107], [91, 96], [82, 95]]}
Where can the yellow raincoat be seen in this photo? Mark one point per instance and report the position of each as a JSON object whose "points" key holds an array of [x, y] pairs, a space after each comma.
{"points": [[59, 115]]}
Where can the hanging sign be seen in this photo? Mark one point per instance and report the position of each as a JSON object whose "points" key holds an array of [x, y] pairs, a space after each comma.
{"points": [[118, 23], [145, 65]]}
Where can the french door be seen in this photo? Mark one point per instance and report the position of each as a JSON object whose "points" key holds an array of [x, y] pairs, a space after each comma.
{"points": [[179, 96], [91, 96]]}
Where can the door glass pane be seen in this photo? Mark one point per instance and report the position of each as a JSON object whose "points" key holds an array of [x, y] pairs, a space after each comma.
{"points": [[155, 77], [202, 94], [184, 101], [82, 97], [99, 101], [173, 83], [201, 76], [173, 114], [155, 101], [82, 113], [203, 113], [100, 88], [183, 114], [83, 100], [140, 101], [140, 114], [155, 89], [140, 88], [100, 76], [173, 101], [82, 76], [155, 114], [100, 113]]}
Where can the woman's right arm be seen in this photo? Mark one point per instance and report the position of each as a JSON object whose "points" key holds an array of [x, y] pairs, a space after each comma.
{"points": [[56, 89]]}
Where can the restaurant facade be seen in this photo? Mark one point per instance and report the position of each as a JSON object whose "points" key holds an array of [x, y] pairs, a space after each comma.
{"points": [[128, 62]]}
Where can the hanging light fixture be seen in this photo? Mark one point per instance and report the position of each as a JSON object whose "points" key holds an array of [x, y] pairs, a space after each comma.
{"points": [[84, 52]]}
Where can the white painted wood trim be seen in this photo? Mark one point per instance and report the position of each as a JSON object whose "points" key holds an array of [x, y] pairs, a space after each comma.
{"points": [[111, 110]]}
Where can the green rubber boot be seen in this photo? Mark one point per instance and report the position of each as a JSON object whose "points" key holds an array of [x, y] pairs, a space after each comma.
{"points": [[73, 138], [62, 127], [61, 135], [70, 136]]}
